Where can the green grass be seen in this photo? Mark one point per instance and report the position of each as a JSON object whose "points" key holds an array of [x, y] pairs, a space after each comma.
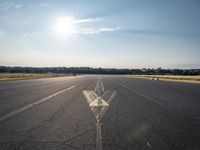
{"points": [[25, 76], [175, 78]]}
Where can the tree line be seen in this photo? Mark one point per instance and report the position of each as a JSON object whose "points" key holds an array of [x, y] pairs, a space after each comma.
{"points": [[90, 70]]}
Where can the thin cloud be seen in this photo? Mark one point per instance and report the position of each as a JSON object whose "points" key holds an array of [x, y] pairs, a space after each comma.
{"points": [[157, 33], [72, 26], [87, 20], [99, 30], [73, 20]]}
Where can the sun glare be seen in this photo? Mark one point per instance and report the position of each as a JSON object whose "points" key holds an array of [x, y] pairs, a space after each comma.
{"points": [[65, 26]]}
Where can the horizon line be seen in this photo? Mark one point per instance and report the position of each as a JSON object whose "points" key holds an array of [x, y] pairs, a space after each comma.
{"points": [[101, 67]]}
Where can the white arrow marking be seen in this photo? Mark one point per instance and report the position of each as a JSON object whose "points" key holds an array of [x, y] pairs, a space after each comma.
{"points": [[99, 105], [98, 102], [104, 109]]}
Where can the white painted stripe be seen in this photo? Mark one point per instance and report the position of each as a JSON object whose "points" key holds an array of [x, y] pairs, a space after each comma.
{"points": [[104, 109], [90, 96], [98, 136], [95, 94], [95, 89], [11, 114], [111, 97], [104, 94], [102, 87], [99, 88], [141, 94]]}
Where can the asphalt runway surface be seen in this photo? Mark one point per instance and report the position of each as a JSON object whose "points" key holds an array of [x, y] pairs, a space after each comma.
{"points": [[133, 114]]}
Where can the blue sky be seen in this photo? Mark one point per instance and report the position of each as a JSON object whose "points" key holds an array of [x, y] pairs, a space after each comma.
{"points": [[106, 33]]}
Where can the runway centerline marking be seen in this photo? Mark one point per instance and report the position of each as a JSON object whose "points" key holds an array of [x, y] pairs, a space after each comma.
{"points": [[99, 88], [99, 101], [11, 114]]}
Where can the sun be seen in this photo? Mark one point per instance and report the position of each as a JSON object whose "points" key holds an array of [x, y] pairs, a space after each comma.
{"points": [[65, 26]]}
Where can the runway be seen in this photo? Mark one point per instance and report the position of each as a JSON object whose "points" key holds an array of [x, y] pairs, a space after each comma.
{"points": [[99, 112]]}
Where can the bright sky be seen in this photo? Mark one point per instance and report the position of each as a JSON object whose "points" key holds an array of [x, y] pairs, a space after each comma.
{"points": [[100, 33]]}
